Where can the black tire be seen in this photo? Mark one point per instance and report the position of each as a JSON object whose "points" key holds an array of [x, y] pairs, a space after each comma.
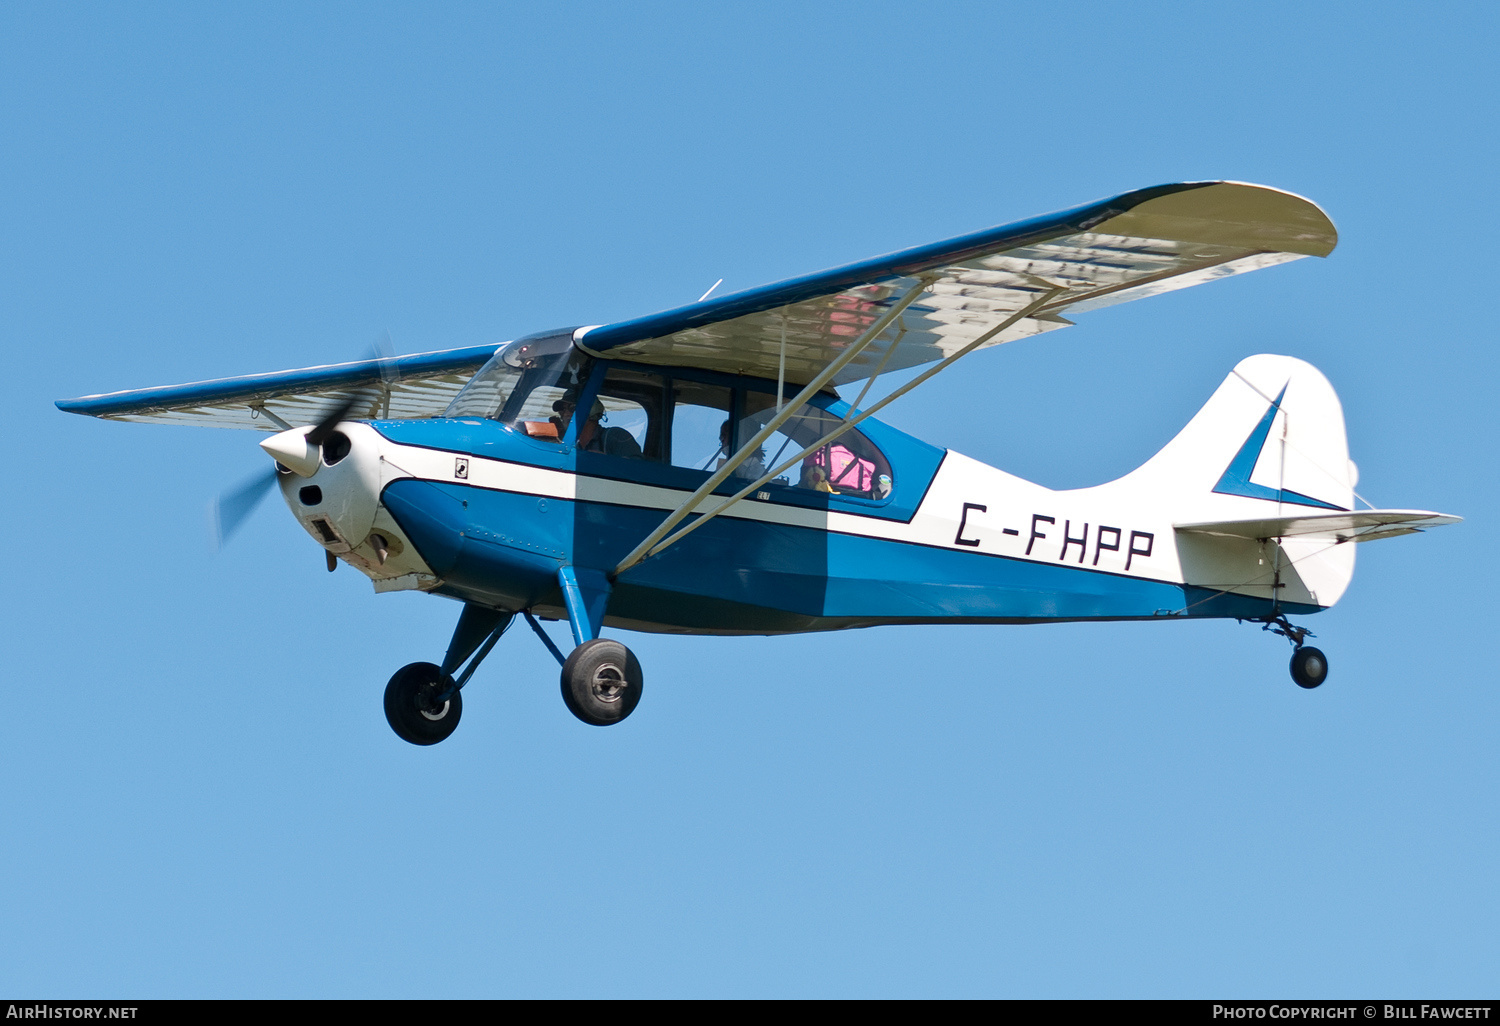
{"points": [[408, 699], [601, 682], [1309, 667]]}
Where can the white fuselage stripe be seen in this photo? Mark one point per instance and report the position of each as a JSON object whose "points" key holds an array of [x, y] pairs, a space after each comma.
{"points": [[966, 500]]}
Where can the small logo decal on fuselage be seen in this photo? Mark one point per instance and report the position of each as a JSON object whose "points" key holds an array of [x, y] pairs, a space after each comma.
{"points": [[461, 469]]}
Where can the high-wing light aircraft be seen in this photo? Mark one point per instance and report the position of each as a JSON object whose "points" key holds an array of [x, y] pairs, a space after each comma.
{"points": [[695, 472]]}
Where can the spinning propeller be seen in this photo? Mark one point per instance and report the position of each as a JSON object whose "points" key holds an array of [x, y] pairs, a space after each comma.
{"points": [[230, 509]]}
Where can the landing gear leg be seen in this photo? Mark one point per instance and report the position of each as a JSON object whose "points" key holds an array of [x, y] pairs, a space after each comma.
{"points": [[601, 679], [1309, 664], [422, 700]]}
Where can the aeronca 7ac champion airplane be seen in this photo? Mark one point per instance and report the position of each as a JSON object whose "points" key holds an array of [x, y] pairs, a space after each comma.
{"points": [[695, 472]]}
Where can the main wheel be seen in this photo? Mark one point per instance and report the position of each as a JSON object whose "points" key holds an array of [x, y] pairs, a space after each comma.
{"points": [[601, 682], [411, 705], [1309, 667]]}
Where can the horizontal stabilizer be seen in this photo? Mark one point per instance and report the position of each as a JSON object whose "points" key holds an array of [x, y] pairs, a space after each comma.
{"points": [[1363, 525]]}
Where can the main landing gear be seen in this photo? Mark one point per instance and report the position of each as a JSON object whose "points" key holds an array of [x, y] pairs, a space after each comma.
{"points": [[416, 706], [422, 701], [601, 679], [601, 682], [1309, 664]]}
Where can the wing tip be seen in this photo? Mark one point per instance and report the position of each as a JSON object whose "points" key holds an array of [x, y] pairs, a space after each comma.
{"points": [[1227, 212]]}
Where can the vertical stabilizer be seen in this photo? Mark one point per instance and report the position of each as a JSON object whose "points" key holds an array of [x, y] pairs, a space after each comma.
{"points": [[1268, 444]]}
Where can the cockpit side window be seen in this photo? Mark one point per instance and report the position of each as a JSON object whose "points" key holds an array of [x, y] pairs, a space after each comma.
{"points": [[632, 420], [535, 384]]}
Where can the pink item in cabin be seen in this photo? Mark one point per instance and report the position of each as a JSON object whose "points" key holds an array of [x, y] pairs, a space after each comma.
{"points": [[848, 472]]}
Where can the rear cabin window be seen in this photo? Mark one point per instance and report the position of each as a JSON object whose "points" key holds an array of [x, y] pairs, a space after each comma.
{"points": [[702, 419], [845, 464]]}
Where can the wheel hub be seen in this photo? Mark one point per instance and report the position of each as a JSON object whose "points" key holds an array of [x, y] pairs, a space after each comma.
{"points": [[427, 703], [608, 683]]}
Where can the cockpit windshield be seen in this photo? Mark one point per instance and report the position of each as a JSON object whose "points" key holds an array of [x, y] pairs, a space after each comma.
{"points": [[531, 383]]}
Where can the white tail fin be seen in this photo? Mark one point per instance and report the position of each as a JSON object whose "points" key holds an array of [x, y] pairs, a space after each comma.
{"points": [[1268, 445], [1273, 431]]}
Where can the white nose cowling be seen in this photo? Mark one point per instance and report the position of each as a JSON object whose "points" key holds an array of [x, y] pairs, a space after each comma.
{"points": [[337, 500], [293, 451]]}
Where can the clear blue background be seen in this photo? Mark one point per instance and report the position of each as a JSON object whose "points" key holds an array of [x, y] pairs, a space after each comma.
{"points": [[200, 794]]}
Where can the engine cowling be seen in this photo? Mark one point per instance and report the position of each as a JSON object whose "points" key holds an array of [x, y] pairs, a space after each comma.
{"points": [[332, 489]]}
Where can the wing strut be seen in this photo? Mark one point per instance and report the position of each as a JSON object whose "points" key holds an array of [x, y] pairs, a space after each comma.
{"points": [[259, 410], [879, 367], [651, 547], [826, 375]]}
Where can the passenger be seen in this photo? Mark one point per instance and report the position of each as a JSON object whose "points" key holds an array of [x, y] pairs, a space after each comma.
{"points": [[754, 465], [617, 441]]}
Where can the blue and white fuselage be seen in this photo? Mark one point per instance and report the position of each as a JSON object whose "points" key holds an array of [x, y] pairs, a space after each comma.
{"points": [[475, 509]]}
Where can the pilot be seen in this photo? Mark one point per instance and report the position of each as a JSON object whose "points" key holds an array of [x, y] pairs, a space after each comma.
{"points": [[592, 435]]}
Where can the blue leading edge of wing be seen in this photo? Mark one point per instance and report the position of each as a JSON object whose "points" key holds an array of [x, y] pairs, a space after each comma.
{"points": [[875, 269], [254, 387]]}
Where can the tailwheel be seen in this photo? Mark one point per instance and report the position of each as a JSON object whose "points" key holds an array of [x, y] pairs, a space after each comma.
{"points": [[415, 705], [601, 682], [1309, 667]]}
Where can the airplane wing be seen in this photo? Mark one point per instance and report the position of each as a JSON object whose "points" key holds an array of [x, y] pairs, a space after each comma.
{"points": [[1360, 525], [1138, 244], [1128, 247], [420, 385]]}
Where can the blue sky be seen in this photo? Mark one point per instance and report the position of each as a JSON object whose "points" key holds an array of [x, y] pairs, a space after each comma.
{"points": [[201, 795]]}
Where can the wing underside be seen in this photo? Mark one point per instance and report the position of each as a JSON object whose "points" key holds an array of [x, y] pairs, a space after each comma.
{"points": [[1132, 246], [404, 387]]}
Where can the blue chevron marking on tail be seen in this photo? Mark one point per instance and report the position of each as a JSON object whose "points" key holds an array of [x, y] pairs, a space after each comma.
{"points": [[1236, 477]]}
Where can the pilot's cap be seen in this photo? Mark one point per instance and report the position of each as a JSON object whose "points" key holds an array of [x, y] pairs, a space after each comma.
{"points": [[570, 400]]}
